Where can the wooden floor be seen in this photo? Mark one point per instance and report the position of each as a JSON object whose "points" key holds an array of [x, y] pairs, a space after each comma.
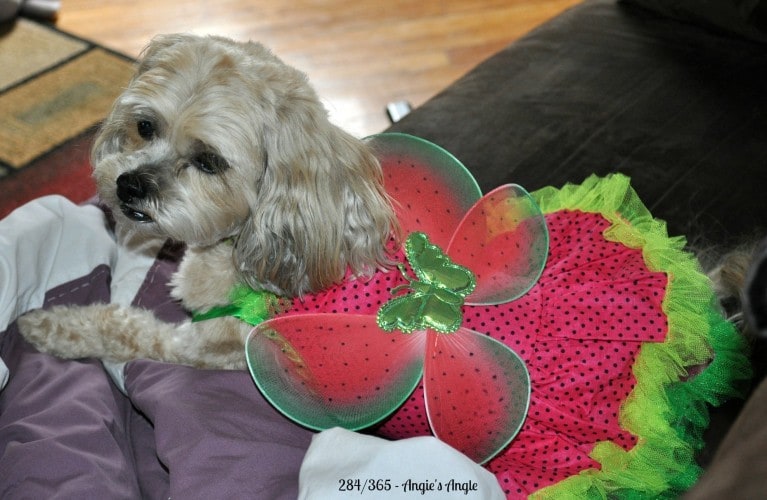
{"points": [[360, 54]]}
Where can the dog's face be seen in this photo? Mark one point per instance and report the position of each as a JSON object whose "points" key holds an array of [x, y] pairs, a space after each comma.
{"points": [[214, 139], [184, 140]]}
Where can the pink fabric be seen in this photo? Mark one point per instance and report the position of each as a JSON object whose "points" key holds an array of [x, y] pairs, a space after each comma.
{"points": [[578, 329]]}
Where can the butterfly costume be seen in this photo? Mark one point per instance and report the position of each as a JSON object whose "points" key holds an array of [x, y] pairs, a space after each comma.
{"points": [[561, 337]]}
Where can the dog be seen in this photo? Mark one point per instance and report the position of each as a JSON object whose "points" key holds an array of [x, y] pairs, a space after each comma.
{"points": [[222, 146]]}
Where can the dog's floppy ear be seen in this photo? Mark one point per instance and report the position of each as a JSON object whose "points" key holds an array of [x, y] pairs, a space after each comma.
{"points": [[320, 209]]}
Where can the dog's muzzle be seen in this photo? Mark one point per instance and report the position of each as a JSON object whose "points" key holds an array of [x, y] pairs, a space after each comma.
{"points": [[134, 187]]}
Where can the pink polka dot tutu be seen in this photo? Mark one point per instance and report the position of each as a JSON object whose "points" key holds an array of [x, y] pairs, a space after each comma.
{"points": [[620, 336]]}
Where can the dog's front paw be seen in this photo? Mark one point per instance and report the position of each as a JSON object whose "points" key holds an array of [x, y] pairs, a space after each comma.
{"points": [[59, 332], [37, 327]]}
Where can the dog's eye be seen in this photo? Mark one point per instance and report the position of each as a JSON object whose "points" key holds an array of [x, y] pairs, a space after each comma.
{"points": [[145, 129], [210, 163]]}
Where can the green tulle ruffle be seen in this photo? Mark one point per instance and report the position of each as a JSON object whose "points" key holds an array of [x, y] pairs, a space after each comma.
{"points": [[702, 361]]}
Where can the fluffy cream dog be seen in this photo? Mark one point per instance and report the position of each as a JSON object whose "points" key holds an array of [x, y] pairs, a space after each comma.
{"points": [[222, 146]]}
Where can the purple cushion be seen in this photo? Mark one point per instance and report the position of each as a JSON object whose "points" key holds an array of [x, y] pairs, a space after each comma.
{"points": [[67, 431]]}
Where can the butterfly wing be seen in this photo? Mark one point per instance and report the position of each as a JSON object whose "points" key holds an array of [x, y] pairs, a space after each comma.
{"points": [[328, 370], [402, 313], [477, 392], [432, 266], [430, 188], [426, 307], [504, 240]]}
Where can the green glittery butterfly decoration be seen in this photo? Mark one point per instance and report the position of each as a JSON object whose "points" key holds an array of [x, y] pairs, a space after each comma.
{"points": [[435, 298]]}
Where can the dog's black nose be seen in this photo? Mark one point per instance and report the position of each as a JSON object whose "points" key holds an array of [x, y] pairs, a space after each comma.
{"points": [[131, 186]]}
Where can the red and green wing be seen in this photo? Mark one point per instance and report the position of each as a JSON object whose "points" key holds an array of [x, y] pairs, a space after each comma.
{"points": [[477, 392], [430, 188], [328, 370], [503, 239]]}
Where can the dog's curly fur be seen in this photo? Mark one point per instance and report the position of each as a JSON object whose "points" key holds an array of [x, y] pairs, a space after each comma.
{"points": [[222, 146]]}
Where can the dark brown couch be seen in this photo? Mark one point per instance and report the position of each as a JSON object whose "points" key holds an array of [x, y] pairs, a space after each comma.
{"points": [[671, 93]]}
